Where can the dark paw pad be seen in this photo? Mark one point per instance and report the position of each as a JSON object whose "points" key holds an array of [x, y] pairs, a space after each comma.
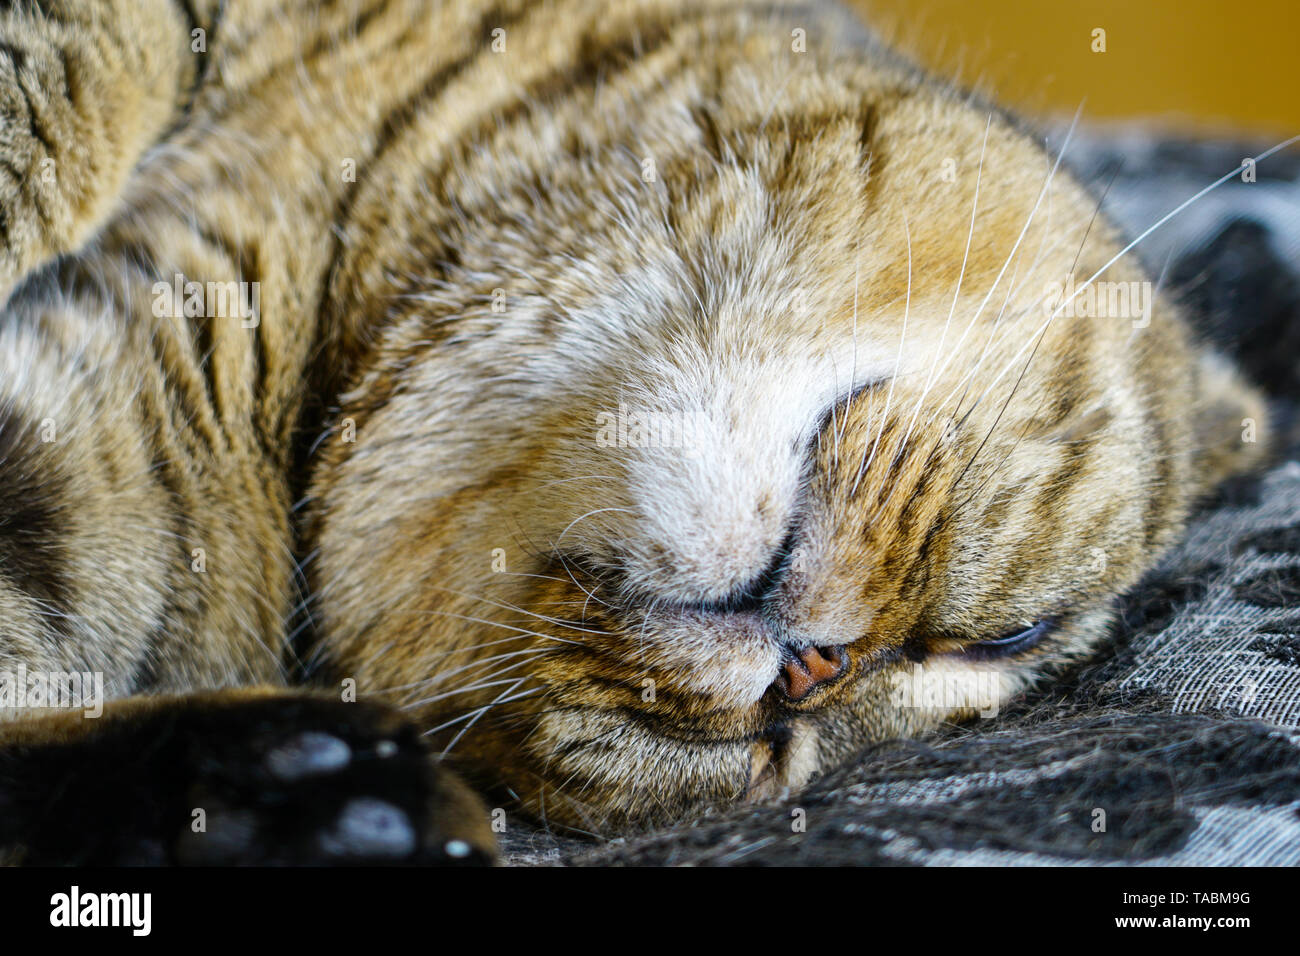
{"points": [[226, 779]]}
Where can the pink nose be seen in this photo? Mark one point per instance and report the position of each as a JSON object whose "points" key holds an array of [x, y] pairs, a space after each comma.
{"points": [[806, 669]]}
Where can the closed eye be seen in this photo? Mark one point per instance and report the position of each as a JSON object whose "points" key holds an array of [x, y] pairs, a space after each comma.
{"points": [[1013, 643]]}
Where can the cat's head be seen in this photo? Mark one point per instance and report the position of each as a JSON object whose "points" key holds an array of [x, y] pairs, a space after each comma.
{"points": [[709, 440]]}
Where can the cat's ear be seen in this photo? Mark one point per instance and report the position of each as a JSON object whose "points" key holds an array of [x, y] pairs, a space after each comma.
{"points": [[1230, 422]]}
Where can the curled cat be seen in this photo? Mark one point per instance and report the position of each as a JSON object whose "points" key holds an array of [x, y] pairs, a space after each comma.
{"points": [[643, 406]]}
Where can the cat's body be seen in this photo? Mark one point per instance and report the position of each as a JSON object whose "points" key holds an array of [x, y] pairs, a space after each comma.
{"points": [[653, 382]]}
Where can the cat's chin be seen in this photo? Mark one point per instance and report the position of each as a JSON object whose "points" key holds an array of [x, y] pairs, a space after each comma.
{"points": [[782, 762]]}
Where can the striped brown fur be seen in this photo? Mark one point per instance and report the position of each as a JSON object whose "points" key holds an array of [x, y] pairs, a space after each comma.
{"points": [[467, 256]]}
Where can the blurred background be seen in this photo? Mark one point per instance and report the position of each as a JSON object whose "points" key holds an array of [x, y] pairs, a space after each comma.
{"points": [[1175, 94], [1195, 67]]}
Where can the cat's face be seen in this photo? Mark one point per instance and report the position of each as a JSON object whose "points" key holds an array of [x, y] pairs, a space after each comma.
{"points": [[696, 484]]}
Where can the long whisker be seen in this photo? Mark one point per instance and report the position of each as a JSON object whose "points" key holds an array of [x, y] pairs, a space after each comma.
{"points": [[470, 619], [853, 368], [961, 275], [564, 563], [439, 677], [869, 457], [1043, 328], [1073, 265], [502, 698], [568, 625], [1129, 248], [1043, 192], [1044, 249], [594, 511], [969, 377], [495, 680]]}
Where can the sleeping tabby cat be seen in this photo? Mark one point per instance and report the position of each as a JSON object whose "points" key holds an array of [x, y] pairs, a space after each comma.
{"points": [[644, 405]]}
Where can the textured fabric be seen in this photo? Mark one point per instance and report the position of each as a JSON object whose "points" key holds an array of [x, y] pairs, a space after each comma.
{"points": [[1180, 742]]}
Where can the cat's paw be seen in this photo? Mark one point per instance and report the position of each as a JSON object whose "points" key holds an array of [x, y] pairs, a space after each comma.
{"points": [[242, 779]]}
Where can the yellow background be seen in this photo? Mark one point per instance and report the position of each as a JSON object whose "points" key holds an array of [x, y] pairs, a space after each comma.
{"points": [[1194, 65]]}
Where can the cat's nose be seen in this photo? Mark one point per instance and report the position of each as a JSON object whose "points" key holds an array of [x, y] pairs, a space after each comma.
{"points": [[805, 669]]}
